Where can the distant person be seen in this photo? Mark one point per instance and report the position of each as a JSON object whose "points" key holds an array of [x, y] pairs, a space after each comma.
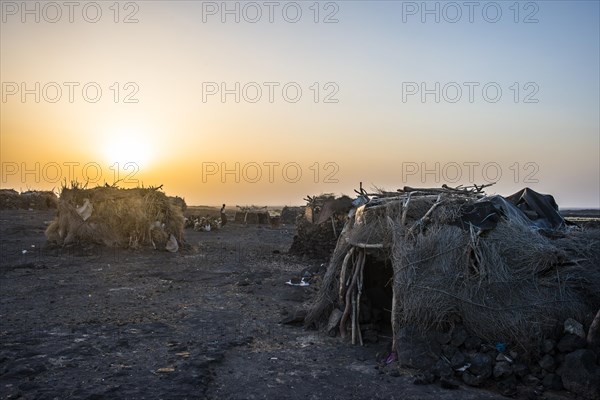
{"points": [[223, 216]]}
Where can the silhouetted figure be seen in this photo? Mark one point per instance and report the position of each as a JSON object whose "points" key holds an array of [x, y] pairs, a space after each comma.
{"points": [[223, 216]]}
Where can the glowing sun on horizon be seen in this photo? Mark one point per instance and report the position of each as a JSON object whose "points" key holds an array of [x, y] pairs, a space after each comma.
{"points": [[128, 146]]}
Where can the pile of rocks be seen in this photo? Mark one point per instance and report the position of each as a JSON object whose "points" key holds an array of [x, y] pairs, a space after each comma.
{"points": [[319, 225], [569, 362], [316, 240], [289, 214]]}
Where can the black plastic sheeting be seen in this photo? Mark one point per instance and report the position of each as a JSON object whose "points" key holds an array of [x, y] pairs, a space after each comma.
{"points": [[539, 211]]}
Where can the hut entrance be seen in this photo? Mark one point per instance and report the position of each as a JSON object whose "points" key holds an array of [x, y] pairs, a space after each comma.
{"points": [[376, 304]]}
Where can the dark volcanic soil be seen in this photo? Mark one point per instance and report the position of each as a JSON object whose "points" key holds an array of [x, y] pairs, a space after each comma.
{"points": [[95, 323]]}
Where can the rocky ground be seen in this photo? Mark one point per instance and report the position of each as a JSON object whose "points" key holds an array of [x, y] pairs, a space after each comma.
{"points": [[204, 323]]}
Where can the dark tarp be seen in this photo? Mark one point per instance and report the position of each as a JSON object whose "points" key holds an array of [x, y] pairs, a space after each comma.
{"points": [[528, 207], [539, 208], [483, 214]]}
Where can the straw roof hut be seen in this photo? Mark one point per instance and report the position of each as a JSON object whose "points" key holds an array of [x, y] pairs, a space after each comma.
{"points": [[509, 269], [111, 216]]}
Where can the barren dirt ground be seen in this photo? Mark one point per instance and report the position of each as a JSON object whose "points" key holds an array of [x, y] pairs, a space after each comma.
{"points": [[202, 323]]}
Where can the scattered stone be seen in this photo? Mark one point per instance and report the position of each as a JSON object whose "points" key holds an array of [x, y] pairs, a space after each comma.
{"points": [[520, 370], [472, 343], [547, 362], [552, 382], [442, 369], [449, 383], [481, 365], [472, 380], [458, 360], [538, 371], [479, 370], [570, 342], [395, 373], [581, 375], [531, 380], [334, 320], [529, 394], [508, 387], [414, 358], [296, 318], [548, 346], [415, 349], [459, 335], [575, 328], [425, 378], [502, 369]]}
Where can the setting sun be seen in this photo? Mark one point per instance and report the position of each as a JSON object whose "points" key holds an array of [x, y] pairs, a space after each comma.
{"points": [[128, 146]]}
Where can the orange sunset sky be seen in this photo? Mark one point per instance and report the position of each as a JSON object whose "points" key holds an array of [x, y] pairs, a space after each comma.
{"points": [[245, 103]]}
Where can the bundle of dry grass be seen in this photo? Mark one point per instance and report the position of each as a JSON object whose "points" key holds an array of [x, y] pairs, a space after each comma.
{"points": [[117, 217], [179, 202], [512, 284], [507, 282]]}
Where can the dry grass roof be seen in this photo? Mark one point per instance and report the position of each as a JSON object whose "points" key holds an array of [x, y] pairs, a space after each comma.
{"points": [[117, 217]]}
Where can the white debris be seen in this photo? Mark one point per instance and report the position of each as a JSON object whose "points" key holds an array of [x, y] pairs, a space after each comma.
{"points": [[172, 244], [85, 211]]}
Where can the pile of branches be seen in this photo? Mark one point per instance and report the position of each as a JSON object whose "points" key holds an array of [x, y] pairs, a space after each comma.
{"points": [[510, 283], [108, 215]]}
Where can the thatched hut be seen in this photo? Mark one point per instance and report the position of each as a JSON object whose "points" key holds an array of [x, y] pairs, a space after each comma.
{"points": [[251, 215], [319, 224], [509, 269], [31, 199], [289, 214], [111, 216]]}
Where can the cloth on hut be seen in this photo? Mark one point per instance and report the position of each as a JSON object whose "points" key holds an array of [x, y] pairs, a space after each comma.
{"points": [[334, 206]]}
